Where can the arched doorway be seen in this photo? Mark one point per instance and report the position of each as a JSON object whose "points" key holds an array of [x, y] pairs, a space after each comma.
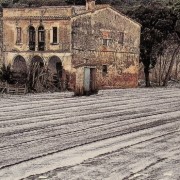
{"points": [[32, 38], [36, 74], [41, 38], [55, 65], [19, 70], [56, 71]]}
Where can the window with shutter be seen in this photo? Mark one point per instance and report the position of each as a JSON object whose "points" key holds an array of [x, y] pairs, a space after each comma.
{"points": [[41, 38]]}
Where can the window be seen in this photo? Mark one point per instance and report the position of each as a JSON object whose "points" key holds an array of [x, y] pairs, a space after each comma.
{"points": [[41, 38], [121, 38], [41, 34], [18, 40], [32, 34], [105, 42], [104, 70], [55, 37]]}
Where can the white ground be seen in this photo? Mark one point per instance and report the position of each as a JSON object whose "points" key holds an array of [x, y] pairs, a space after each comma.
{"points": [[117, 134]]}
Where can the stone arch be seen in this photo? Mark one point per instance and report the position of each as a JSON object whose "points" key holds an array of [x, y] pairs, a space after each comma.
{"points": [[55, 65], [37, 60], [19, 64], [19, 70]]}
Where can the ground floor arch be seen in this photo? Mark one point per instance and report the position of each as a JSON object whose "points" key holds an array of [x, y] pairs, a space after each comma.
{"points": [[19, 64], [37, 60], [55, 66], [19, 70]]}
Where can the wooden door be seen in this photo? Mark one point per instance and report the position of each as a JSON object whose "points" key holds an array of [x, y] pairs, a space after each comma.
{"points": [[87, 79]]}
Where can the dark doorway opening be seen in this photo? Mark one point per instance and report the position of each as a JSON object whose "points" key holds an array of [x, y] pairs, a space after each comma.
{"points": [[19, 70], [56, 70]]}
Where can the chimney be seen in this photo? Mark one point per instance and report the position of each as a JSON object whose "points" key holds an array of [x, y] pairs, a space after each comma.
{"points": [[90, 4]]}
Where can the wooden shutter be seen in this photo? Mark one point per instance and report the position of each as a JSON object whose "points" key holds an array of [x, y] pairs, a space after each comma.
{"points": [[51, 35], [58, 35]]}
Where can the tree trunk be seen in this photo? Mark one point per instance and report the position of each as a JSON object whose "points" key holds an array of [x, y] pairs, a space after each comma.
{"points": [[160, 70], [146, 73], [171, 66]]}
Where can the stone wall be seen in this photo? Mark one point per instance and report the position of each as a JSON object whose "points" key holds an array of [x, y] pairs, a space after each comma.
{"points": [[105, 37]]}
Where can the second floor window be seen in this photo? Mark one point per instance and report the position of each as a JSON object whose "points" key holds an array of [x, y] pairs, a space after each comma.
{"points": [[18, 40], [32, 38], [55, 37], [41, 38], [41, 34]]}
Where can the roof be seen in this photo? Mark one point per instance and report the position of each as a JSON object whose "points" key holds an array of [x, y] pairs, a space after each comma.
{"points": [[78, 11], [105, 7]]}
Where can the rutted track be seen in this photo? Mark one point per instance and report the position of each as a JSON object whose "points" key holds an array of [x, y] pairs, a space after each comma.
{"points": [[38, 125]]}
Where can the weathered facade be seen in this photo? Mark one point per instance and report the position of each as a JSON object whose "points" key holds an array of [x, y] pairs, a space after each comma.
{"points": [[95, 35], [110, 41]]}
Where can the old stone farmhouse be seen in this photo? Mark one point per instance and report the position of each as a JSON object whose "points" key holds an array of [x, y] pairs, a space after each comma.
{"points": [[71, 37]]}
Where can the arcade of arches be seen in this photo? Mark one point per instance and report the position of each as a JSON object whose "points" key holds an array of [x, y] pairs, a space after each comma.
{"points": [[54, 69]]}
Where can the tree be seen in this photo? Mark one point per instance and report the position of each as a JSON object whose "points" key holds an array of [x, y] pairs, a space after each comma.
{"points": [[158, 23], [176, 11]]}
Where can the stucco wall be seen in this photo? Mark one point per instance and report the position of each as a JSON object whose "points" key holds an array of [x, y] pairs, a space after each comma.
{"points": [[10, 34], [39, 11], [48, 18]]}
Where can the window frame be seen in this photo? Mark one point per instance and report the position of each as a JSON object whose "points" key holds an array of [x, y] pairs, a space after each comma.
{"points": [[54, 35], [104, 69], [18, 35], [41, 34], [41, 38], [108, 40], [32, 38]]}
